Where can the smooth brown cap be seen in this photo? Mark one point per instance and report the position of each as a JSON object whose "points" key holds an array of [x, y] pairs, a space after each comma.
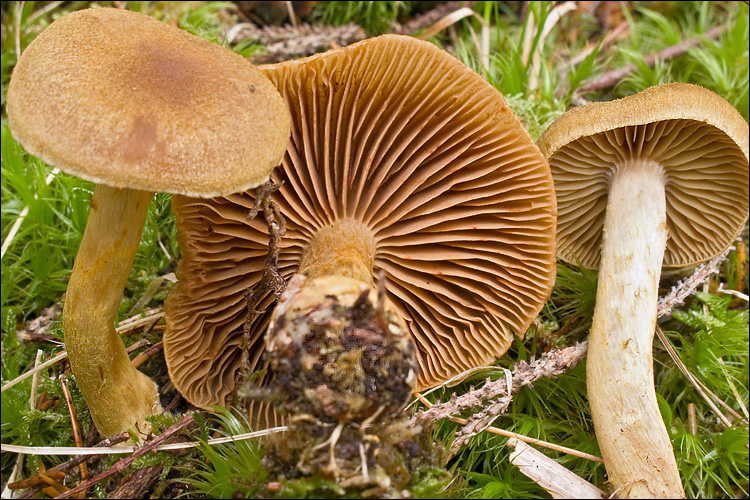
{"points": [[399, 136], [695, 136], [120, 98]]}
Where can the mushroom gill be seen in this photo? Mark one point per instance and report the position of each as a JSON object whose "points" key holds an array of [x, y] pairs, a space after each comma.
{"points": [[703, 169], [404, 161]]}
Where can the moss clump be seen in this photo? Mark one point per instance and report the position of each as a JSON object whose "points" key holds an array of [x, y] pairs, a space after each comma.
{"points": [[391, 458]]}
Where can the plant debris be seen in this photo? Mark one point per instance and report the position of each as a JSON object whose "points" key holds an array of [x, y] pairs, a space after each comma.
{"points": [[550, 364], [282, 43], [35, 330], [344, 367], [271, 281]]}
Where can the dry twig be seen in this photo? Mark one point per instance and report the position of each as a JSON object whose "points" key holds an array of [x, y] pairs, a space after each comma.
{"points": [[139, 483], [520, 437], [619, 30], [687, 287], [75, 462], [34, 330], [612, 78], [125, 462], [287, 42], [550, 364], [422, 21], [271, 280], [62, 378], [125, 326], [142, 357], [101, 450]]}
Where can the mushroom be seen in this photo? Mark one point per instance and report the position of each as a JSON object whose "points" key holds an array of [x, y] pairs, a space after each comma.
{"points": [[136, 106], [402, 160], [657, 179]]}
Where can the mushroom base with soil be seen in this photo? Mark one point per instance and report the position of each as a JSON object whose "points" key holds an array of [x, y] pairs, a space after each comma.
{"points": [[345, 366], [118, 396], [385, 461], [620, 374], [339, 351]]}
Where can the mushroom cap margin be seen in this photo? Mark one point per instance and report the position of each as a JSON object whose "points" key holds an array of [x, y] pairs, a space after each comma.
{"points": [[120, 98], [707, 198]]}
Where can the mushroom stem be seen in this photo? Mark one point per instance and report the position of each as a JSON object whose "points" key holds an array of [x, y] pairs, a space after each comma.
{"points": [[119, 397], [620, 376], [346, 248]]}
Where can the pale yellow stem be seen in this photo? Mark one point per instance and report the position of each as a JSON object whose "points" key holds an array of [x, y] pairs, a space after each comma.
{"points": [[620, 376], [119, 397]]}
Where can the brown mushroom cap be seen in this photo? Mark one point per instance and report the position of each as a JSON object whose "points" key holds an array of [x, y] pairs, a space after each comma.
{"points": [[161, 111], [699, 140], [399, 145]]}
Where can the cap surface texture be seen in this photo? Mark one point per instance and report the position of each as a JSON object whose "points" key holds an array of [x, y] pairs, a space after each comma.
{"points": [[120, 98]]}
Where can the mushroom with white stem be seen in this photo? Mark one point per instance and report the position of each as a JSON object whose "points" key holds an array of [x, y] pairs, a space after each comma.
{"points": [[402, 160], [136, 106], [656, 179]]}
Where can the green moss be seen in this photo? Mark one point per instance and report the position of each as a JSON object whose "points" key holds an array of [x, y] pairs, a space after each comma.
{"points": [[710, 333]]}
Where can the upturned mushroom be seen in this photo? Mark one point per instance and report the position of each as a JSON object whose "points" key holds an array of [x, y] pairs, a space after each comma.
{"points": [[402, 161], [655, 180], [136, 106]]}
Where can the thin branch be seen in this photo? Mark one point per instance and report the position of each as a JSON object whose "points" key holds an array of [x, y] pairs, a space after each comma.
{"points": [[555, 362], [520, 437], [74, 425], [122, 450], [611, 37], [282, 43], [142, 357], [271, 280], [550, 364], [75, 461], [427, 19], [687, 287], [612, 78], [125, 462]]}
